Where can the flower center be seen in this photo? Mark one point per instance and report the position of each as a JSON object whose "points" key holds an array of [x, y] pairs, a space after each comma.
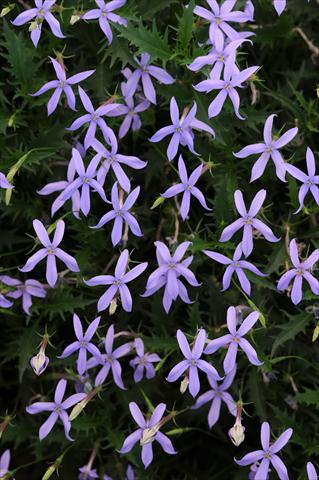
{"points": [[193, 362], [58, 409], [117, 282], [85, 180], [171, 265], [62, 84], [178, 130], [221, 58], [84, 343], [50, 250], [235, 339], [267, 455], [310, 182], [236, 264], [218, 20], [248, 220], [300, 271], [227, 87]]}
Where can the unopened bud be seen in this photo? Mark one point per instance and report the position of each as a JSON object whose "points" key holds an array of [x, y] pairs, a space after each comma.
{"points": [[39, 362], [184, 385], [78, 408], [50, 471], [113, 306], [75, 18], [236, 433], [7, 10]]}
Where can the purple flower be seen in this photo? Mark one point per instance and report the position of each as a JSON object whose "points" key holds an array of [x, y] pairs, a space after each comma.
{"points": [[83, 343], [87, 473], [268, 454], [85, 181], [62, 84], [248, 222], [268, 149], [4, 182], [61, 186], [4, 302], [217, 57], [144, 73], [232, 80], [235, 265], [143, 362], [113, 160], [170, 268], [219, 16], [192, 362], [301, 270], [130, 473], [28, 289], [94, 119], [181, 129], [131, 112], [147, 433], [187, 186], [4, 463], [311, 472], [120, 214], [50, 251], [39, 14], [279, 5], [105, 15], [109, 360], [217, 395], [234, 340], [117, 283], [58, 410], [309, 182]]}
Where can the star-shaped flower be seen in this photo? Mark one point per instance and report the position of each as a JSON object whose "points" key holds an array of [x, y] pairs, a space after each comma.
{"points": [[269, 149], [268, 454], [181, 129], [41, 13], [62, 84], [51, 251], [301, 270], [105, 15], [58, 410], [117, 283], [120, 214], [28, 289], [248, 221], [192, 363], [143, 362], [309, 180], [187, 186], [234, 340], [235, 265]]}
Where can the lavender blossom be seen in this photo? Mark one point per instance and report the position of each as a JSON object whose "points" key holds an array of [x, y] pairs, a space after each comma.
{"points": [[301, 270], [170, 268], [218, 56], [268, 149], [217, 395], [147, 433], [114, 160], [235, 266], [227, 86], [87, 473], [187, 186], [60, 186], [4, 182], [130, 473], [131, 112], [62, 84], [105, 15], [4, 302], [28, 289], [311, 472], [83, 343], [234, 340], [143, 362], [84, 181], [248, 222], [192, 362], [4, 463], [117, 283], [41, 13], [109, 360], [219, 16], [309, 182], [120, 214], [94, 119], [50, 251], [279, 5], [182, 129], [144, 73], [268, 454], [58, 410]]}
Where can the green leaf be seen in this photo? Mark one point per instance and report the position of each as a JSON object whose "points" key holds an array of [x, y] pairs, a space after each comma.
{"points": [[290, 330], [150, 41], [185, 27], [309, 397]]}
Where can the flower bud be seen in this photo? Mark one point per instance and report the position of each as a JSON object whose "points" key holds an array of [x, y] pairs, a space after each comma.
{"points": [[39, 362], [184, 385], [236, 433], [75, 18], [113, 306], [7, 10]]}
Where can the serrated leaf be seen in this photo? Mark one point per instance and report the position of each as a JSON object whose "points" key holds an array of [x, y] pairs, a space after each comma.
{"points": [[290, 330], [185, 27], [308, 397]]}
